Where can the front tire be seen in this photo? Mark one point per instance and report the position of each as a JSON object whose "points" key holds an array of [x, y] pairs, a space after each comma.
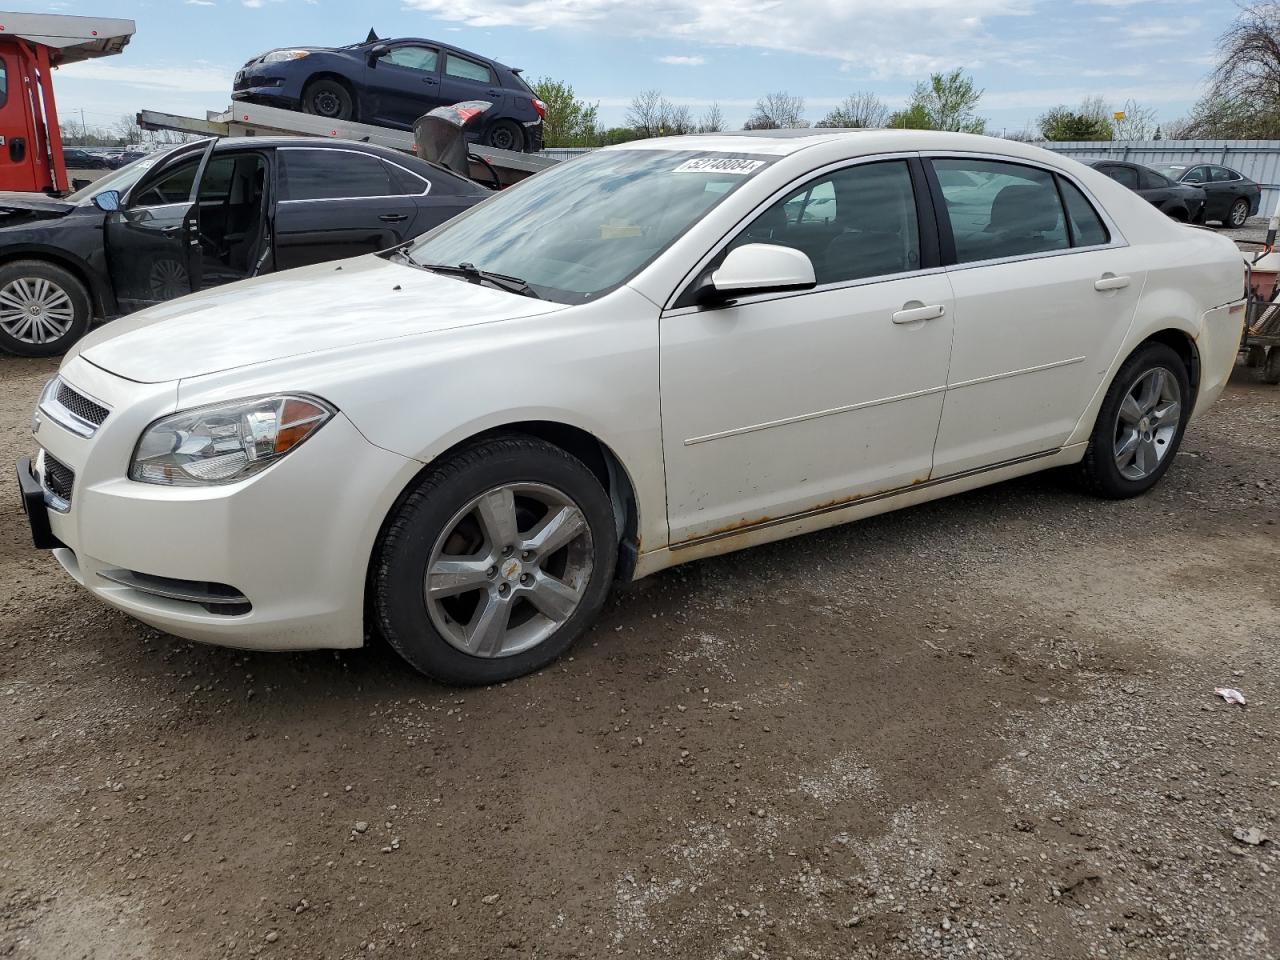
{"points": [[496, 561], [44, 308], [329, 99], [1139, 426]]}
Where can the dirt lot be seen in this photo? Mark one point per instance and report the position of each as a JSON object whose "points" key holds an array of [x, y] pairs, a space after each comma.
{"points": [[981, 728]]}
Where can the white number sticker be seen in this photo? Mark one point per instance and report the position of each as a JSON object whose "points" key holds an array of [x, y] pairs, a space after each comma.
{"points": [[739, 168]]}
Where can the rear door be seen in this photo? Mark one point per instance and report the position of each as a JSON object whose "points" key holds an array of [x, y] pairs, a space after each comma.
{"points": [[153, 241], [465, 78], [1222, 187], [337, 203], [405, 84]]}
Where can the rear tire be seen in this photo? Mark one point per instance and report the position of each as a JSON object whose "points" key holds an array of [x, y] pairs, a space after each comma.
{"points": [[505, 135], [495, 562], [329, 99], [1270, 371], [44, 308], [1238, 214], [1140, 425]]}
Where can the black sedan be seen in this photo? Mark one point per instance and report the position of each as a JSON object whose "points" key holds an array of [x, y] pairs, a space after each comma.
{"points": [[1231, 197], [1178, 200], [394, 82], [203, 214]]}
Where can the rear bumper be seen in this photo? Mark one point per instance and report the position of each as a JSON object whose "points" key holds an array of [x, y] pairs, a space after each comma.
{"points": [[1218, 345]]}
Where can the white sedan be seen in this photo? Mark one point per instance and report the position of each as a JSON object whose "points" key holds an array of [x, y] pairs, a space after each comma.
{"points": [[652, 354]]}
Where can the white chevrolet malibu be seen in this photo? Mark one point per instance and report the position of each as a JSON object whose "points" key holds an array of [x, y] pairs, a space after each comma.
{"points": [[651, 354]]}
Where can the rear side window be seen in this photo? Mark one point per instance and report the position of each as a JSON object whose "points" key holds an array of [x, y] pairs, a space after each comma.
{"points": [[404, 183], [456, 66], [1151, 180], [1222, 174], [414, 58], [1000, 209], [333, 175], [1087, 228], [854, 223]]}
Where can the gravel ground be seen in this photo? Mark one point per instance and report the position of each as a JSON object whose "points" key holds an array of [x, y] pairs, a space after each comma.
{"points": [[985, 728]]}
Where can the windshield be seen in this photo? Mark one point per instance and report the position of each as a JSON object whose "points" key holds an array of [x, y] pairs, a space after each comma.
{"points": [[588, 225], [121, 179]]}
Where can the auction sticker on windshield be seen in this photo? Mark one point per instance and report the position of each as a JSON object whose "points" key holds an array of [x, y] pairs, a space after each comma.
{"points": [[731, 165]]}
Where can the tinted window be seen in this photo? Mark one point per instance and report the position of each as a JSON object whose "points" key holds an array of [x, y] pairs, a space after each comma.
{"points": [[1001, 209], [332, 174], [1126, 176], [1197, 175], [403, 182], [1222, 174], [172, 186], [1087, 228], [415, 58], [456, 66], [1151, 180], [854, 223]]}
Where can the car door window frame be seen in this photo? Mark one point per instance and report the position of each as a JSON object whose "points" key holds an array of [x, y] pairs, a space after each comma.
{"points": [[930, 261], [168, 166], [385, 58], [944, 220], [371, 156]]}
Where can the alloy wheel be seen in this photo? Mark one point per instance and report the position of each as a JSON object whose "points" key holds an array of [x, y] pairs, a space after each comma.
{"points": [[1147, 423], [35, 310], [509, 570], [1239, 213]]}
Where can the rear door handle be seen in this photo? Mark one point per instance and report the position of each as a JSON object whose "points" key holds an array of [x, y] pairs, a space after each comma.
{"points": [[910, 314], [393, 217], [428, 79], [1109, 281]]}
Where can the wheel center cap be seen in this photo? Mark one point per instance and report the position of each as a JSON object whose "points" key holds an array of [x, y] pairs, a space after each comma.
{"points": [[511, 569]]}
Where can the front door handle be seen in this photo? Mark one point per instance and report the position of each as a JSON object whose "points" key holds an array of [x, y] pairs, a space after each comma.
{"points": [[428, 79], [393, 217], [1109, 281], [914, 311]]}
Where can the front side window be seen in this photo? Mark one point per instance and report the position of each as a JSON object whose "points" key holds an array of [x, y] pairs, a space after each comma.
{"points": [[4, 82], [1125, 176], [332, 175], [1000, 209], [586, 226], [853, 223], [1154, 181], [1197, 175], [414, 58], [172, 186], [465, 69]]}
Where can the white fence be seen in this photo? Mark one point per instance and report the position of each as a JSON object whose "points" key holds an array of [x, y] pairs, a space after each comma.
{"points": [[1258, 160]]}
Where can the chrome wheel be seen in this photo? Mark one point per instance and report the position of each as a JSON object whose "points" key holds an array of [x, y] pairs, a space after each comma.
{"points": [[510, 569], [1147, 423], [35, 310]]}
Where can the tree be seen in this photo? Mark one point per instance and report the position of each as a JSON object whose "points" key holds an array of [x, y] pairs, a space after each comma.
{"points": [[914, 117], [948, 100], [1243, 99], [857, 110], [777, 111], [1138, 124], [1091, 121], [679, 122], [129, 131], [649, 114], [712, 120], [569, 122]]}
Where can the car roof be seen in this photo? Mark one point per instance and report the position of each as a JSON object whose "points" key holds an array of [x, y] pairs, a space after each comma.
{"points": [[444, 45]]}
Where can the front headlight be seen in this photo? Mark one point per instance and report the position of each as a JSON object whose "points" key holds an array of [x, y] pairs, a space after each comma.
{"points": [[280, 56], [227, 442]]}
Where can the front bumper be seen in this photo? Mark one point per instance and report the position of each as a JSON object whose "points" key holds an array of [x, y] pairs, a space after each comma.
{"points": [[274, 562]]}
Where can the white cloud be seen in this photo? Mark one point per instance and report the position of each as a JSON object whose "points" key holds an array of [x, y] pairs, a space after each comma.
{"points": [[200, 3], [196, 78], [255, 4], [683, 61], [869, 36]]}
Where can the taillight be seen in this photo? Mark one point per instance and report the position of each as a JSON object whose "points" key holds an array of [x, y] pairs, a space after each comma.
{"points": [[540, 107]]}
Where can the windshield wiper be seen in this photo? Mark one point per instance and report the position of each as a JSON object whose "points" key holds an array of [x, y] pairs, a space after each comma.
{"points": [[473, 274]]}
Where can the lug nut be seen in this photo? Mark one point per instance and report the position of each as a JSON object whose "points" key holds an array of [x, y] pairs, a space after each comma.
{"points": [[524, 578], [506, 551], [526, 554], [491, 572], [502, 588]]}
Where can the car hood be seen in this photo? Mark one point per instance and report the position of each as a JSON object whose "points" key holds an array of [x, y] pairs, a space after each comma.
{"points": [[325, 307], [31, 206]]}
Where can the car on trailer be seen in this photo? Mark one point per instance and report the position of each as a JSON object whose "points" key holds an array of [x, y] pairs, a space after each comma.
{"points": [[392, 83], [204, 214], [645, 356]]}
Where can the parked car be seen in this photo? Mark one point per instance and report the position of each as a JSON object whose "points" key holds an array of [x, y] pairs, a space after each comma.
{"points": [[1231, 198], [1182, 202], [635, 359], [77, 159], [117, 160], [201, 215], [392, 83]]}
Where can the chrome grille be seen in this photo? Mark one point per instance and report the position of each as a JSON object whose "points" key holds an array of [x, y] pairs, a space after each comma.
{"points": [[59, 479], [80, 405]]}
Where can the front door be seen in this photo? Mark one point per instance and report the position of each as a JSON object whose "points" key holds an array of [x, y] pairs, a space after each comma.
{"points": [[153, 241], [784, 403], [21, 166], [405, 84], [1043, 303]]}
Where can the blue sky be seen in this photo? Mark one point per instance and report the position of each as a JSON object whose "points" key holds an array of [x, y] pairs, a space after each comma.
{"points": [[1028, 54]]}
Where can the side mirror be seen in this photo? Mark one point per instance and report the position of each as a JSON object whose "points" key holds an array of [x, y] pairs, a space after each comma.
{"points": [[377, 52], [108, 200], [756, 268]]}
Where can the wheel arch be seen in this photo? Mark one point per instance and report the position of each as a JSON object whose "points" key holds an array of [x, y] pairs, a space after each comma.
{"points": [[100, 296], [1184, 345]]}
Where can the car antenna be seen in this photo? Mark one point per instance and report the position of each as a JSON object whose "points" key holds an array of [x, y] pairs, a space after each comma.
{"points": [[372, 37]]}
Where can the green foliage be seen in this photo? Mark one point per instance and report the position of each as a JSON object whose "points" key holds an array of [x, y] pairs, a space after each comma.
{"points": [[914, 117], [570, 122], [1063, 124]]}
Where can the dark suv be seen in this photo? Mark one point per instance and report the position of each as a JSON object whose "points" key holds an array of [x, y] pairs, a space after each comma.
{"points": [[392, 83]]}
